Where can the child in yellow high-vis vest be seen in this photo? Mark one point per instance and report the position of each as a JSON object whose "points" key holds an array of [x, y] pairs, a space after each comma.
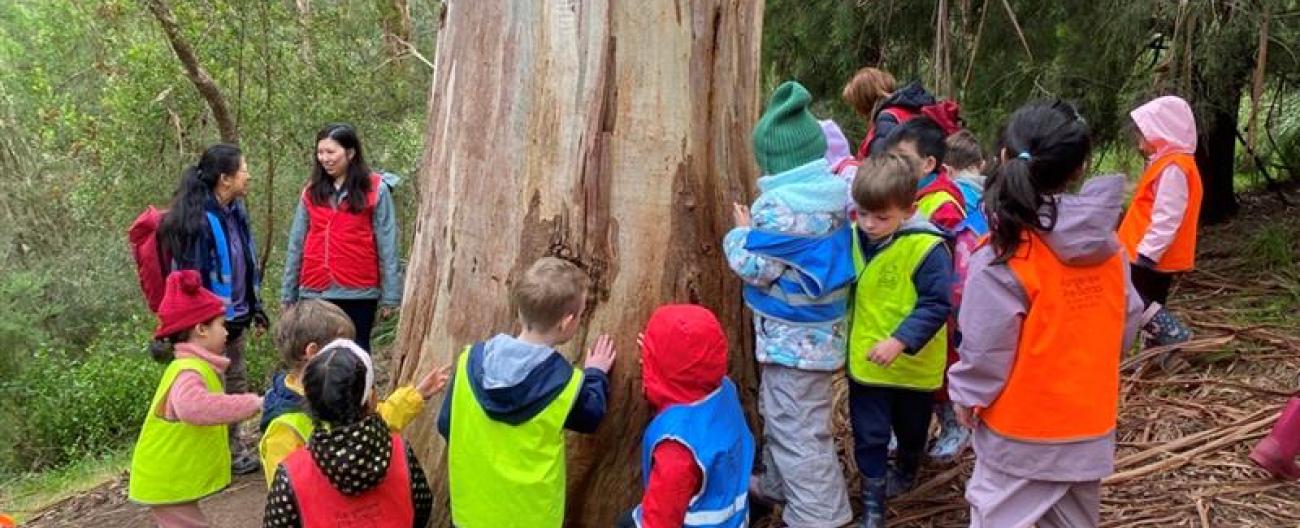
{"points": [[182, 454], [897, 342], [304, 329], [512, 397]]}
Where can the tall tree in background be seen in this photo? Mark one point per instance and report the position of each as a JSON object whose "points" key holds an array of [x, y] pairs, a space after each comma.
{"points": [[1108, 56], [611, 134]]}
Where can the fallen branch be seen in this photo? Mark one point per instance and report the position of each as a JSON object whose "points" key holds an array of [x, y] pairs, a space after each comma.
{"points": [[1180, 459]]}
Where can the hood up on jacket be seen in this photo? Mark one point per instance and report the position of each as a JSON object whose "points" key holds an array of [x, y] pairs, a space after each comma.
{"points": [[1168, 125], [683, 355]]}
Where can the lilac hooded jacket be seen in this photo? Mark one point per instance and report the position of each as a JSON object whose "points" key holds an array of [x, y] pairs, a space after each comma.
{"points": [[992, 312]]}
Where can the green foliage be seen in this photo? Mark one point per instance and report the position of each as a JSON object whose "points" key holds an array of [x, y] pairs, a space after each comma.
{"points": [[70, 405], [98, 119], [1274, 248]]}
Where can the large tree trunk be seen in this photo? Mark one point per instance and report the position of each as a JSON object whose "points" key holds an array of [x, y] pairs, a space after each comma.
{"points": [[612, 134]]}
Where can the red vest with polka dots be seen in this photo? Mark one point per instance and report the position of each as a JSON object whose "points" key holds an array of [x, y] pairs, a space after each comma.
{"points": [[321, 506]]}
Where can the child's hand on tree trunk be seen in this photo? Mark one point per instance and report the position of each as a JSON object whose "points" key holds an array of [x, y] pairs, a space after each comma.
{"points": [[601, 357], [740, 213], [433, 382]]}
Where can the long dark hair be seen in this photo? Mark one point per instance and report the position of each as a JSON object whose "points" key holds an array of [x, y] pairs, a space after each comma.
{"points": [[357, 182], [335, 383], [1046, 145], [185, 222]]}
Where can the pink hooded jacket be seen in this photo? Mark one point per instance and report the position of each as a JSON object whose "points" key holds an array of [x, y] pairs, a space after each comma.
{"points": [[1169, 127]]}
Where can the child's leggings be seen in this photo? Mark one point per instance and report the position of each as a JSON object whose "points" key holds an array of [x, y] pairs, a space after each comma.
{"points": [[999, 500], [185, 515]]}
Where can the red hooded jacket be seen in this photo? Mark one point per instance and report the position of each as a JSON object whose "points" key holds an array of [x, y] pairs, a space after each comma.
{"points": [[683, 360]]}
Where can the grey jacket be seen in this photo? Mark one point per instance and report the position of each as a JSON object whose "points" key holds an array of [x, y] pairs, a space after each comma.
{"points": [[384, 222]]}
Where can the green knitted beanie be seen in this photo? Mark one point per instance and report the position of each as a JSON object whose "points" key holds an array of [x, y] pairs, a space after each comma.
{"points": [[787, 135]]}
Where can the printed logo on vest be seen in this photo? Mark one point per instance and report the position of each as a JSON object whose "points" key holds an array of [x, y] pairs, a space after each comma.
{"points": [[1082, 292]]}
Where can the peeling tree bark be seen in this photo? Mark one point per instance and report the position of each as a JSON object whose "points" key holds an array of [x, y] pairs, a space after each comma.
{"points": [[199, 76], [612, 134]]}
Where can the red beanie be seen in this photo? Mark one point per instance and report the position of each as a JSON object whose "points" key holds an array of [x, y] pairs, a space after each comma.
{"points": [[186, 303], [684, 356]]}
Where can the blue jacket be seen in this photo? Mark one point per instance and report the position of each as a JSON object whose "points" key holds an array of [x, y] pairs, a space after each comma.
{"points": [[513, 381], [814, 286], [804, 202], [715, 431], [278, 400]]}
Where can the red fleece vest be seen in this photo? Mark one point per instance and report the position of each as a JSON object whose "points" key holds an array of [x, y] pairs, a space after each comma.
{"points": [[340, 244], [387, 505]]}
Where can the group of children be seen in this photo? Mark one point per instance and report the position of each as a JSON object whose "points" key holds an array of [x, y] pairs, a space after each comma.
{"points": [[1001, 305]]}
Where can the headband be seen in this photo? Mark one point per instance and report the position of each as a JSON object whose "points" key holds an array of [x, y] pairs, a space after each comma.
{"points": [[361, 354]]}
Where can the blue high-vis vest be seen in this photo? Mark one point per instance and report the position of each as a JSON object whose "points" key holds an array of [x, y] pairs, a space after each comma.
{"points": [[815, 285], [220, 280], [715, 431]]}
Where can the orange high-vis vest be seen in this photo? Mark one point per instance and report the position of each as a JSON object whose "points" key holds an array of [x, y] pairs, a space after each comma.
{"points": [[1181, 254], [1064, 384]]}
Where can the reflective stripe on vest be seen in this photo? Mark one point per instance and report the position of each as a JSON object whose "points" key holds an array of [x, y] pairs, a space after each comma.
{"points": [[715, 432], [339, 247], [320, 505], [175, 462], [930, 203], [502, 474], [221, 282], [1064, 384], [1181, 254], [883, 298]]}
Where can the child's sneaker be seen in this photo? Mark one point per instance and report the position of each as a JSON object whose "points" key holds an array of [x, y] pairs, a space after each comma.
{"points": [[1163, 329], [901, 477], [953, 437], [873, 503]]}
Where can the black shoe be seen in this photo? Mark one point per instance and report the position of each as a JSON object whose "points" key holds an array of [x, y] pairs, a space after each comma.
{"points": [[902, 474], [245, 463], [873, 503]]}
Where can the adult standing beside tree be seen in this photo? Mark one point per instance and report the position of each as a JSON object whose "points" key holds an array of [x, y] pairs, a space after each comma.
{"points": [[343, 241], [206, 229]]}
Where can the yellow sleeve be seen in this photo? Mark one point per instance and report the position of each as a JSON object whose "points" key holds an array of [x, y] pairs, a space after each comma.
{"points": [[280, 440], [401, 407]]}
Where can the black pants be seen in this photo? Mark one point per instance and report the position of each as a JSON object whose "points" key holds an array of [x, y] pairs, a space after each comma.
{"points": [[876, 411], [362, 314], [1152, 285]]}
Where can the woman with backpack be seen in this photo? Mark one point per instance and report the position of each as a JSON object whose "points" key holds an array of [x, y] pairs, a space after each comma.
{"points": [[206, 229], [343, 242]]}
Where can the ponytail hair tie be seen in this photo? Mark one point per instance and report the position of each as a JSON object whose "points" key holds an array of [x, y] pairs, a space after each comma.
{"points": [[1025, 156]]}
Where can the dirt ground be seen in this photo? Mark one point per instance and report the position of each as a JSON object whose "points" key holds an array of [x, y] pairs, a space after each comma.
{"points": [[106, 506], [1183, 434]]}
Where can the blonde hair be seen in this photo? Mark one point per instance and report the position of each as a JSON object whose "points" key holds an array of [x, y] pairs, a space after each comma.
{"points": [[548, 291], [310, 321], [868, 87], [886, 181]]}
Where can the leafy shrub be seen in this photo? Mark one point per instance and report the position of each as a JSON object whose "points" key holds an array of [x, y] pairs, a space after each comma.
{"points": [[69, 405]]}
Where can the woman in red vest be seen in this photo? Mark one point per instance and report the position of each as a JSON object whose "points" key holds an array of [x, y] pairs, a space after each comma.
{"points": [[353, 471], [343, 242], [1159, 229], [1048, 310]]}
